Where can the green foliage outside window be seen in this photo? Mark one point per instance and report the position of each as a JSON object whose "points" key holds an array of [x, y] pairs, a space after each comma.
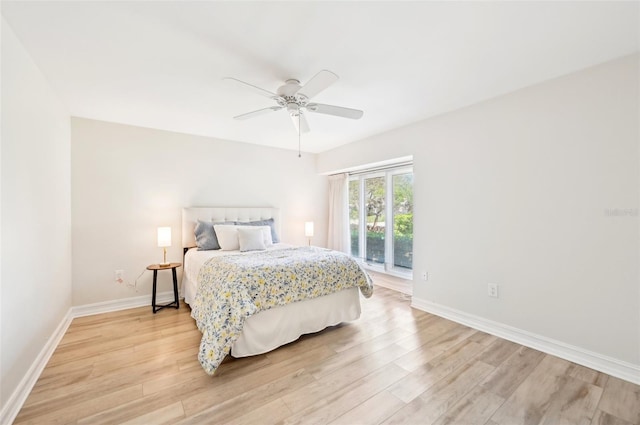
{"points": [[403, 225]]}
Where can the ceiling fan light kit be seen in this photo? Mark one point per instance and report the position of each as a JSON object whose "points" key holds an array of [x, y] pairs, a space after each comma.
{"points": [[295, 99]]}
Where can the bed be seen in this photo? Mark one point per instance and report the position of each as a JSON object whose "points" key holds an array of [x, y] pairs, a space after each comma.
{"points": [[273, 318]]}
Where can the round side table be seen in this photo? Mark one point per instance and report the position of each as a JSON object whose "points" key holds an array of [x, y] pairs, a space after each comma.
{"points": [[171, 266]]}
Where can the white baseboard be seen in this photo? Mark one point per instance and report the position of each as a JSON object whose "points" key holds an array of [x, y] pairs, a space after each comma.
{"points": [[614, 367], [11, 409], [122, 304]]}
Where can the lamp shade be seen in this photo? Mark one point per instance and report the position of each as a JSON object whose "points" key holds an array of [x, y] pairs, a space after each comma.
{"points": [[308, 229], [164, 236]]}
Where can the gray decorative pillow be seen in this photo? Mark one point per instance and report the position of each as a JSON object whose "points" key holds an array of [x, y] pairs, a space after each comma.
{"points": [[205, 236], [268, 222]]}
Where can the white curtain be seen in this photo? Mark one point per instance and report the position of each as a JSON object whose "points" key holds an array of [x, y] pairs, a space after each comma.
{"points": [[338, 213]]}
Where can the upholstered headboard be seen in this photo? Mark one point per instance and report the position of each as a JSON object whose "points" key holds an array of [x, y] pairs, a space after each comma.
{"points": [[190, 217]]}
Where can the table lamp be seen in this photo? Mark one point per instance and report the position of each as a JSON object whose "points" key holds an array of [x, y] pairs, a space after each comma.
{"points": [[308, 230], [164, 240]]}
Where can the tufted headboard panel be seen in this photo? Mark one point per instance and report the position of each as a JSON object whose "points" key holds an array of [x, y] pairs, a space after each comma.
{"points": [[190, 217]]}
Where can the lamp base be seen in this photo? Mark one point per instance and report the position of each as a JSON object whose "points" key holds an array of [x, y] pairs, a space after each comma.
{"points": [[164, 263]]}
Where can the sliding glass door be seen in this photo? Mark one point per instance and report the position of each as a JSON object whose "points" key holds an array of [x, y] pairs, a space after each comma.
{"points": [[381, 219]]}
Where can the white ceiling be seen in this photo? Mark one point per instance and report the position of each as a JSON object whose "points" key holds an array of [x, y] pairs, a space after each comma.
{"points": [[161, 64]]}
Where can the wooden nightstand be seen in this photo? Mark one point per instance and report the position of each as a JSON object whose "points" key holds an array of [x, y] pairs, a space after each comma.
{"points": [[172, 267]]}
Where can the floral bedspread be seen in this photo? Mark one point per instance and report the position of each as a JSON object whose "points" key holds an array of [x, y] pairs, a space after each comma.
{"points": [[233, 288]]}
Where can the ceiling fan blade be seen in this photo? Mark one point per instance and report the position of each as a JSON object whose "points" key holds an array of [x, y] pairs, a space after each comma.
{"points": [[258, 112], [338, 111], [256, 89], [319, 82], [304, 125]]}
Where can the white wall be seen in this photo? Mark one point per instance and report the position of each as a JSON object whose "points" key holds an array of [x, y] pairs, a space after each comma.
{"points": [[36, 214], [521, 191], [128, 180]]}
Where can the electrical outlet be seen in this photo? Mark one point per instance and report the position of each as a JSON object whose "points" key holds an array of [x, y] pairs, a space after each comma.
{"points": [[425, 276], [119, 277], [492, 290]]}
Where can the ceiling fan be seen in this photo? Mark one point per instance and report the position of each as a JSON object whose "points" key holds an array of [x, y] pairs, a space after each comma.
{"points": [[296, 100]]}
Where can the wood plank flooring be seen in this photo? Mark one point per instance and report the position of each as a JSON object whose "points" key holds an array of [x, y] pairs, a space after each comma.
{"points": [[395, 365]]}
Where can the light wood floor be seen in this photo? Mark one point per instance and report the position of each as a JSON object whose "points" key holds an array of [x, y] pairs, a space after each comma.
{"points": [[394, 365]]}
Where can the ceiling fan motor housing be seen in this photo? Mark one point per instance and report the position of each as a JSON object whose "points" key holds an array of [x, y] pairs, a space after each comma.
{"points": [[288, 97], [290, 87]]}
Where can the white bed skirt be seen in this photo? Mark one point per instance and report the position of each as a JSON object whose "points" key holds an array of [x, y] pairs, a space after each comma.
{"points": [[273, 328]]}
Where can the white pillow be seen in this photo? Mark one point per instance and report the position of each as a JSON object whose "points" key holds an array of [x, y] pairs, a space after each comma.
{"points": [[251, 239], [227, 237], [266, 232]]}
